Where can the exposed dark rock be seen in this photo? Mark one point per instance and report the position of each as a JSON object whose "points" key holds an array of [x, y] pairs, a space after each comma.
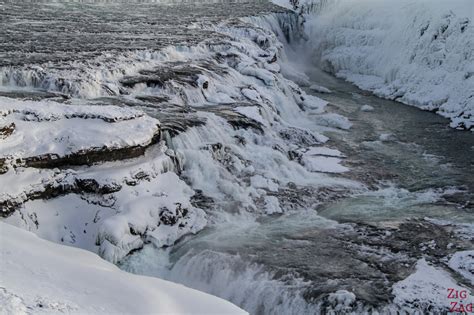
{"points": [[300, 137], [6, 131], [92, 186], [86, 157], [35, 95], [168, 218], [199, 200], [153, 99], [178, 72]]}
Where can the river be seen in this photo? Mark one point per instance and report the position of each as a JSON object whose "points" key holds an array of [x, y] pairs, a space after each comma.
{"points": [[415, 166]]}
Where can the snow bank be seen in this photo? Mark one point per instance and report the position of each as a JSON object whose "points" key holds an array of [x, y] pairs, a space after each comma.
{"points": [[417, 52], [463, 263], [50, 128], [37, 276], [427, 289]]}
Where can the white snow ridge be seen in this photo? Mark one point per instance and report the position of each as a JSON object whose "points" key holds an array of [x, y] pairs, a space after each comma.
{"points": [[40, 277]]}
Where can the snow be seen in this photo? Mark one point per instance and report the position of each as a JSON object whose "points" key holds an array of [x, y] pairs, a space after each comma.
{"points": [[387, 137], [37, 276], [324, 164], [57, 129], [366, 108], [251, 94], [320, 89], [419, 52], [333, 120], [463, 263], [323, 159], [154, 216], [252, 112], [427, 288], [258, 181]]}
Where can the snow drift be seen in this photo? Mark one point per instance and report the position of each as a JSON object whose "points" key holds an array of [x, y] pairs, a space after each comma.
{"points": [[38, 276], [417, 52]]}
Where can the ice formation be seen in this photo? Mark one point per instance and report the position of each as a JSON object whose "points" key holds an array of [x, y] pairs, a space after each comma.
{"points": [[416, 52]]}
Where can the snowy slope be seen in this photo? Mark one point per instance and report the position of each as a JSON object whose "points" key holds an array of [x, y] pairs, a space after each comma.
{"points": [[417, 52], [37, 276]]}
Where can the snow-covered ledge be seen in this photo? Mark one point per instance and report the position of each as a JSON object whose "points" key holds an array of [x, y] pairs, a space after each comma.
{"points": [[38, 276]]}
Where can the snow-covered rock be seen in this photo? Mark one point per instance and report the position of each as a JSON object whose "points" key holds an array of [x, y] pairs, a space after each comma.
{"points": [[230, 127], [61, 131], [110, 209], [463, 263], [320, 89], [366, 108], [427, 289]]}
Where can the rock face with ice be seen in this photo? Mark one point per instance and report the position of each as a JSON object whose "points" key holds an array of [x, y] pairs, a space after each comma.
{"points": [[361, 42]]}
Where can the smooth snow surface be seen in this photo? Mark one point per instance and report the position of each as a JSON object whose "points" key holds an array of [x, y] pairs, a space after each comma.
{"points": [[40, 277], [419, 52]]}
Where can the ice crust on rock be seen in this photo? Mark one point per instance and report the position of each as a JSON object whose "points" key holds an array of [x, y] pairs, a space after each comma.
{"points": [[366, 108]]}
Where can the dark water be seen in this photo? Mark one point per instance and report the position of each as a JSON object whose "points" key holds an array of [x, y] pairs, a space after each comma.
{"points": [[412, 149]]}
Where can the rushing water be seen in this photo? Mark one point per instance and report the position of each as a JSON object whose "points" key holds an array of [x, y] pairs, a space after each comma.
{"points": [[427, 165], [417, 169], [65, 31]]}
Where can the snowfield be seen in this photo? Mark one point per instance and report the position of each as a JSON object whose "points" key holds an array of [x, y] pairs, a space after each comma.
{"points": [[40, 277], [416, 52]]}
